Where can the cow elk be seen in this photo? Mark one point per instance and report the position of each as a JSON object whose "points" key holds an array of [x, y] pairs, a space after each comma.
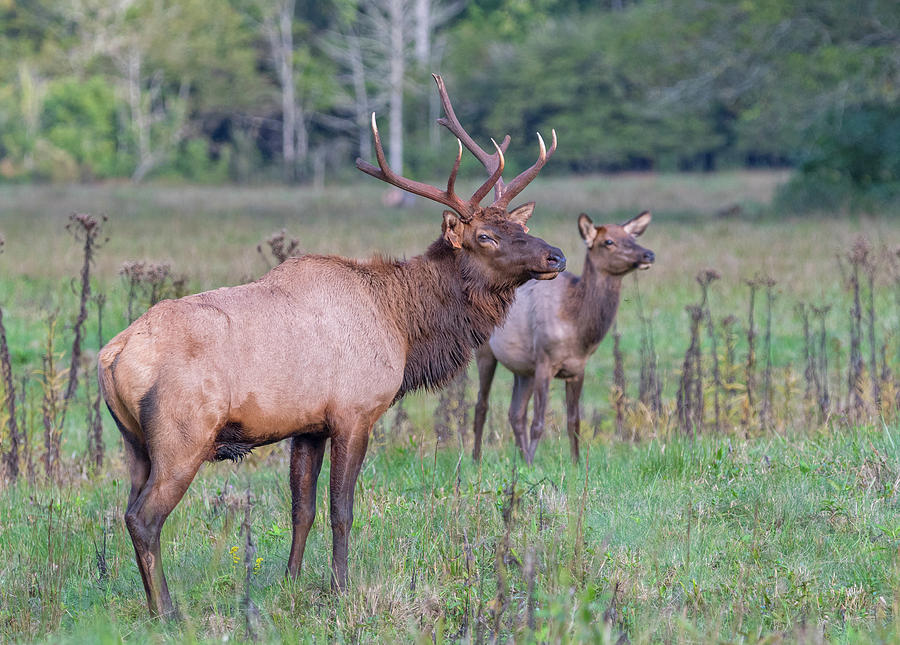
{"points": [[553, 328], [316, 349]]}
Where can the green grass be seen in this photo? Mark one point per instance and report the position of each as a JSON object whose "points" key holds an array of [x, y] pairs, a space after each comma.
{"points": [[706, 540], [789, 534]]}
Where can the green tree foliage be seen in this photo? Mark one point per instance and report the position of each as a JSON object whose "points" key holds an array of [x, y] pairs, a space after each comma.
{"points": [[95, 88], [79, 120], [852, 162]]}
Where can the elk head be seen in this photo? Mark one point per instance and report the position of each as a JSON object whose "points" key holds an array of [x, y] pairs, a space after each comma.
{"points": [[493, 240], [612, 248]]}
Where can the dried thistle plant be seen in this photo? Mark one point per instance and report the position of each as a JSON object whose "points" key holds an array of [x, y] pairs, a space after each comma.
{"points": [[150, 282], [452, 411], [52, 404], [689, 404], [86, 229], [705, 278], [650, 388], [280, 247], [11, 458], [860, 259], [823, 397], [618, 381]]}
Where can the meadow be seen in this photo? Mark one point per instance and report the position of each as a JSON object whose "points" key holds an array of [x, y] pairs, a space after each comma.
{"points": [[758, 512]]}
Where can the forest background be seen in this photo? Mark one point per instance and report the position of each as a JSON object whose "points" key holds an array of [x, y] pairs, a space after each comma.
{"points": [[252, 91]]}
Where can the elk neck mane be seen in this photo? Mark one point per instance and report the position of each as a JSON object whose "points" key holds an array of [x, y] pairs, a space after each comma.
{"points": [[594, 302], [444, 306]]}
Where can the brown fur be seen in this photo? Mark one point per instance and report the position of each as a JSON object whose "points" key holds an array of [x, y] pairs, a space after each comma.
{"points": [[554, 327], [316, 349]]}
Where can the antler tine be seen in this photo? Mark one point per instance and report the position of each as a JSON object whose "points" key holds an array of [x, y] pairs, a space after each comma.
{"points": [[451, 182], [516, 186], [384, 173], [489, 161], [492, 181]]}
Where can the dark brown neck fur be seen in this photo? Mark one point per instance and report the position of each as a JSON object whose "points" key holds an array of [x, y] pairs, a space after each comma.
{"points": [[445, 309], [596, 300]]}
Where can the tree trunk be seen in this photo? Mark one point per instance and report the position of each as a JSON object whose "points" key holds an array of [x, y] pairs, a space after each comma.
{"points": [[397, 70], [423, 32], [283, 46]]}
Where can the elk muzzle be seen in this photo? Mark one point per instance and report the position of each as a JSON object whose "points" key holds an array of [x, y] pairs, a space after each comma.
{"points": [[554, 264], [647, 258]]}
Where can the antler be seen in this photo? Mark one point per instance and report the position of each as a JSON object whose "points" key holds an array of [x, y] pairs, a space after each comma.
{"points": [[503, 194], [465, 209], [489, 161], [524, 178]]}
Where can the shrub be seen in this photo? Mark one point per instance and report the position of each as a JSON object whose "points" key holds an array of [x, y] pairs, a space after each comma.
{"points": [[853, 162], [79, 119]]}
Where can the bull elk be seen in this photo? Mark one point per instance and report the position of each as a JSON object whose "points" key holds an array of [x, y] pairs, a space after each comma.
{"points": [[553, 328], [316, 349]]}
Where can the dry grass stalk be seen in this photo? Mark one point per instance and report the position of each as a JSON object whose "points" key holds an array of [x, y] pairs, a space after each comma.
{"points": [[729, 363], [618, 381], [451, 415], [650, 388], [689, 404], [530, 573], [52, 402], [26, 411], [86, 229], [856, 257], [870, 268], [251, 611], [750, 370], [503, 555], [11, 457], [280, 248], [767, 418], [823, 396], [704, 279], [150, 282], [808, 355], [95, 421]]}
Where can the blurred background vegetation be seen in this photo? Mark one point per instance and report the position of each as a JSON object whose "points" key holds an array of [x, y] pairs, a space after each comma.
{"points": [[255, 91]]}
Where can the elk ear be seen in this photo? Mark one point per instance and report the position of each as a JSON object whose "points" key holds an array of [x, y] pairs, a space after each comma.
{"points": [[451, 228], [636, 225], [587, 230], [520, 214]]}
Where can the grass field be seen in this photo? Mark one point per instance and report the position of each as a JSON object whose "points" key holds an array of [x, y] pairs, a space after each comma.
{"points": [[785, 533]]}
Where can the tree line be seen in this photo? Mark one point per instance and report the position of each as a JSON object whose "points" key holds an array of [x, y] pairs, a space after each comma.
{"points": [[256, 90]]}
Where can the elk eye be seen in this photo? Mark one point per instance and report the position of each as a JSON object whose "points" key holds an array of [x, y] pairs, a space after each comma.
{"points": [[608, 242]]}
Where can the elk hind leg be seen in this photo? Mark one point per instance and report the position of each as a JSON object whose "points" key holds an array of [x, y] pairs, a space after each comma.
{"points": [[139, 468], [170, 475], [541, 390], [518, 409], [487, 366], [306, 462], [138, 462], [573, 415]]}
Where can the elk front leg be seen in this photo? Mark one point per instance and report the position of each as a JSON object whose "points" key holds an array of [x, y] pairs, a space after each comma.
{"points": [[518, 409], [541, 389], [573, 415], [487, 366], [348, 448], [306, 462]]}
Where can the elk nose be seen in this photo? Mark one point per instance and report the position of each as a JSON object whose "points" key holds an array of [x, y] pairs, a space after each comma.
{"points": [[649, 257], [556, 260]]}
